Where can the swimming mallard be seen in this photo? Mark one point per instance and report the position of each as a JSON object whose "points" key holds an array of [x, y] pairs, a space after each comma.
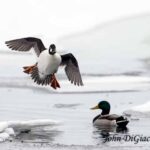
{"points": [[106, 119]]}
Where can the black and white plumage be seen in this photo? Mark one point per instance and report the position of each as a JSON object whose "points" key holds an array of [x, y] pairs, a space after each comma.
{"points": [[48, 61]]}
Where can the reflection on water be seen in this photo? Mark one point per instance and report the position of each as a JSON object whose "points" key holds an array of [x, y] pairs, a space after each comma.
{"points": [[102, 133], [42, 135]]}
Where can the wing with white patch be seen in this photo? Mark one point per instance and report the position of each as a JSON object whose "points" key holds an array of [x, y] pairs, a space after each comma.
{"points": [[25, 44], [72, 69]]}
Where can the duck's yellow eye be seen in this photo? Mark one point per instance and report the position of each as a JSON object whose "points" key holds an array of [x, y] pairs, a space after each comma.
{"points": [[96, 107]]}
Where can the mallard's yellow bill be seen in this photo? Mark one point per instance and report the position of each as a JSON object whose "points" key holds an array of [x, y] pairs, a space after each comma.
{"points": [[96, 107]]}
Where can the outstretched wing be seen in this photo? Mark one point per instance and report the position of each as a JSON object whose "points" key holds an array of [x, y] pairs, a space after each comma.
{"points": [[25, 44], [72, 69]]}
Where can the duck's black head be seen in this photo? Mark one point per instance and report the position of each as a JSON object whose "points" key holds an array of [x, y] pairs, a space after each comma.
{"points": [[104, 106], [52, 49]]}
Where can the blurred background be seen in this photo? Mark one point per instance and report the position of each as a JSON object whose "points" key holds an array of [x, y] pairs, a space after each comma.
{"points": [[53, 19], [112, 35]]}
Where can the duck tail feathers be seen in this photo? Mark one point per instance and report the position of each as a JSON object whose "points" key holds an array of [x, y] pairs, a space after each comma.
{"points": [[35, 76], [122, 122]]}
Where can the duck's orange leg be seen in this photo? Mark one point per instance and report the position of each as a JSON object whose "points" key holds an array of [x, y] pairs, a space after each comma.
{"points": [[28, 69], [54, 83]]}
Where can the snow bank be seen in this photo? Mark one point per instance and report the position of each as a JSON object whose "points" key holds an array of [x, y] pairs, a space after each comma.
{"points": [[8, 128], [142, 108]]}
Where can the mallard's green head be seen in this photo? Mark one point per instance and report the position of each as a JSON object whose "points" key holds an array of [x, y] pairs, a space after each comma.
{"points": [[104, 106]]}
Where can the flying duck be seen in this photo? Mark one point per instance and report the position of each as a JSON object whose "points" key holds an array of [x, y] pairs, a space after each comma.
{"points": [[106, 119], [43, 71]]}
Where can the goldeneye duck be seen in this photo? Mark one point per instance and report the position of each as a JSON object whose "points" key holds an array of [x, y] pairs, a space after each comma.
{"points": [[106, 119], [43, 72]]}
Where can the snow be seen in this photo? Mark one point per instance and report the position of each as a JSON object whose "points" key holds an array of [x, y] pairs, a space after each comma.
{"points": [[8, 128], [144, 108], [113, 47]]}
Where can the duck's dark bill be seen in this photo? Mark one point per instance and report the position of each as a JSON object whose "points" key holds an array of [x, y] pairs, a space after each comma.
{"points": [[96, 107]]}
